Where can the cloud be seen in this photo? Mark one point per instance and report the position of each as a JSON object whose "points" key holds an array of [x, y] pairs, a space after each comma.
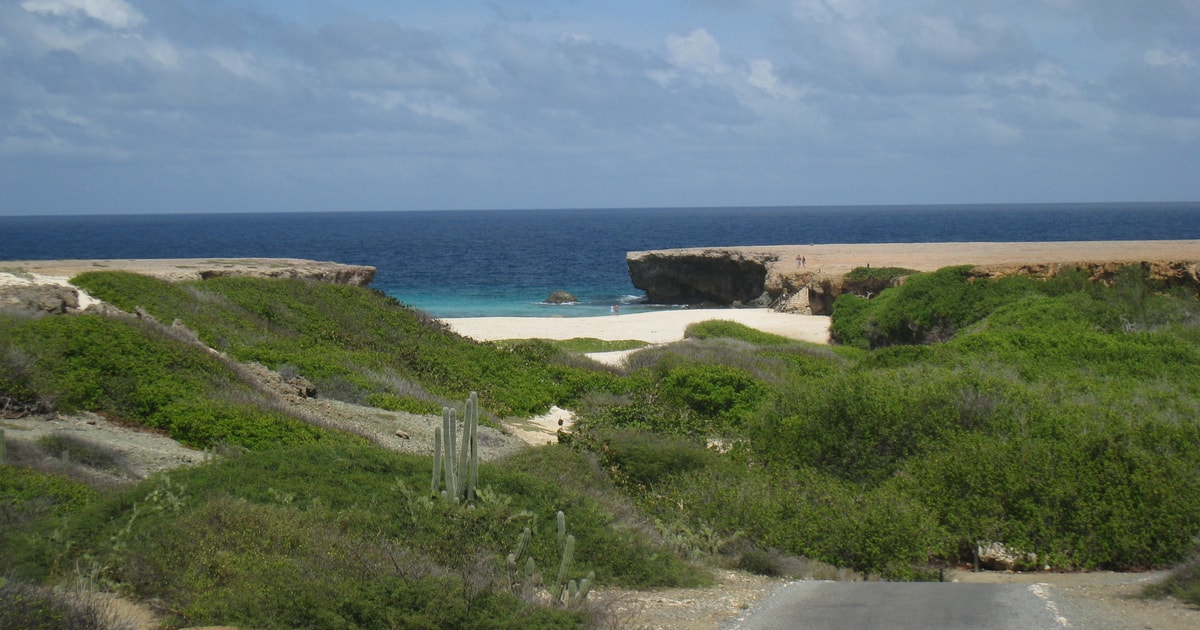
{"points": [[697, 51], [1160, 58], [116, 14], [532, 105]]}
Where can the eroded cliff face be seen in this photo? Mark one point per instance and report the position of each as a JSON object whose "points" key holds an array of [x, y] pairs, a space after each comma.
{"points": [[698, 277]]}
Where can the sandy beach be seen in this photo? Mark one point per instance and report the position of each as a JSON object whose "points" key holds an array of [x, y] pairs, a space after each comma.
{"points": [[656, 327]]}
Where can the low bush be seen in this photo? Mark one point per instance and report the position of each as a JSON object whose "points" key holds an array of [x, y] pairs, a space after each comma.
{"points": [[645, 459], [81, 451], [340, 536], [725, 329], [863, 274], [1183, 583], [31, 607], [392, 402]]}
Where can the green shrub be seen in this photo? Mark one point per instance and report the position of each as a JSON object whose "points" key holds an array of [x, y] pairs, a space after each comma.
{"points": [[859, 425], [645, 459], [26, 494], [717, 392], [862, 274], [725, 329], [392, 402]]}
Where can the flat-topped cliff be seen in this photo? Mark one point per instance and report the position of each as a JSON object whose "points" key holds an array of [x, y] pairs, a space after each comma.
{"points": [[807, 278], [42, 285]]}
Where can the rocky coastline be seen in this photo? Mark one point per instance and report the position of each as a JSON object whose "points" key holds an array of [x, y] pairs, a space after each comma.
{"points": [[806, 279]]}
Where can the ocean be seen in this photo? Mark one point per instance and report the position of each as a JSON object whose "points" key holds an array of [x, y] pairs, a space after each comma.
{"points": [[506, 262]]}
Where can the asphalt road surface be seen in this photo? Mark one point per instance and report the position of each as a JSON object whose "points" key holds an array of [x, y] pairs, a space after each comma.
{"points": [[882, 605]]}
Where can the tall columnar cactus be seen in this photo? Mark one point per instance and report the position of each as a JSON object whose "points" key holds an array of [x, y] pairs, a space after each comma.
{"points": [[566, 591], [455, 464], [563, 591]]}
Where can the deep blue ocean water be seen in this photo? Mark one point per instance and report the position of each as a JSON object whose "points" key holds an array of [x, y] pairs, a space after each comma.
{"points": [[506, 262]]}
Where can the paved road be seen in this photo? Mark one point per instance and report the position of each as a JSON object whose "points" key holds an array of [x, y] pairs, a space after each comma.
{"points": [[882, 605]]}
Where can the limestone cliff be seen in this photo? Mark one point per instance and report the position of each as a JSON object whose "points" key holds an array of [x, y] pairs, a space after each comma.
{"points": [[807, 279]]}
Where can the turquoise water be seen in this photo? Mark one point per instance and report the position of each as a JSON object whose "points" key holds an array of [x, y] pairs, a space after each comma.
{"points": [[594, 302]]}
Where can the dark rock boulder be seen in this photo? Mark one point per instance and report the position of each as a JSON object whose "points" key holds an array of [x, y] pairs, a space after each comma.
{"points": [[711, 276], [561, 297]]}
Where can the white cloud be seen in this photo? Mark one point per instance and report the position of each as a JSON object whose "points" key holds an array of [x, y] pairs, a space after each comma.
{"points": [[1161, 58], [162, 51], [761, 74], [239, 64], [696, 51], [117, 14]]}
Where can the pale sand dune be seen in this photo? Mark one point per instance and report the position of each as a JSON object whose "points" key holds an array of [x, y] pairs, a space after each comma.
{"points": [[654, 327]]}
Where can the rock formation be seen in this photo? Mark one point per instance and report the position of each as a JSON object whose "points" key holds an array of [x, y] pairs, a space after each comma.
{"points": [[807, 279], [39, 298], [723, 277], [561, 297]]}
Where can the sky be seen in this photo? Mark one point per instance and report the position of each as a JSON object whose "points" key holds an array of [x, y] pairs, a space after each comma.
{"points": [[159, 106]]}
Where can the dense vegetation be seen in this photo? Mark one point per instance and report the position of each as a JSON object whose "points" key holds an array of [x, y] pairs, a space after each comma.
{"points": [[1058, 417], [354, 343]]}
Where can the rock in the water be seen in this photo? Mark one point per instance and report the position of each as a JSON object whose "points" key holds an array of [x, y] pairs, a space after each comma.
{"points": [[561, 297]]}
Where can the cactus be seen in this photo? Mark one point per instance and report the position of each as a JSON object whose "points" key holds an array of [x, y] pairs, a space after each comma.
{"points": [[566, 591], [578, 593], [564, 568], [435, 486], [455, 465], [515, 581], [563, 591]]}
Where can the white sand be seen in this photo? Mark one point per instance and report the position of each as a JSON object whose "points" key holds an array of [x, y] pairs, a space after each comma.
{"points": [[654, 327]]}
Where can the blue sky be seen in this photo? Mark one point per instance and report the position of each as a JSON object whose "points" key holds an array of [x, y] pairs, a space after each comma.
{"points": [[237, 105]]}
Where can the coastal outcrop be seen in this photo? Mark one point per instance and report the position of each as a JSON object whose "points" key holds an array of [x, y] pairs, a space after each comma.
{"points": [[44, 286], [176, 269], [724, 277], [807, 279]]}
